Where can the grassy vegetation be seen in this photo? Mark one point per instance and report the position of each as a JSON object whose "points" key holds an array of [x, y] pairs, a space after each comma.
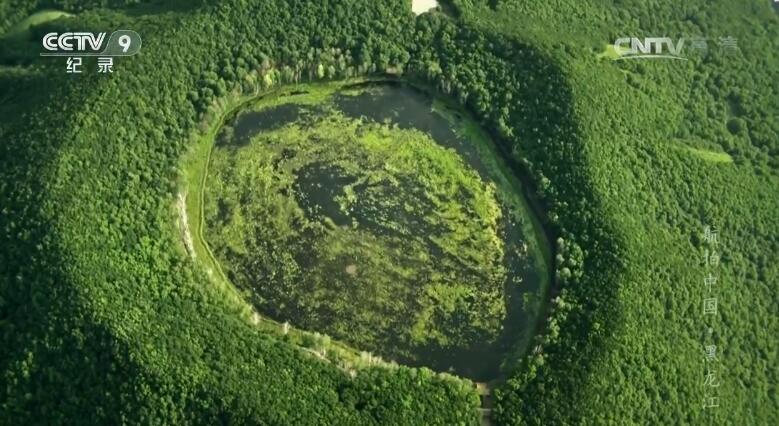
{"points": [[402, 234], [609, 52], [196, 162], [712, 156], [20, 29], [195, 172], [510, 185]]}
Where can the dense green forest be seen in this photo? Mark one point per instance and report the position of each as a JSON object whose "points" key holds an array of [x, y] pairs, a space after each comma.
{"points": [[105, 319], [637, 122]]}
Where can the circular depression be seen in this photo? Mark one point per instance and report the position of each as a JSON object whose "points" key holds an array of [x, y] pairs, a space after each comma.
{"points": [[382, 217]]}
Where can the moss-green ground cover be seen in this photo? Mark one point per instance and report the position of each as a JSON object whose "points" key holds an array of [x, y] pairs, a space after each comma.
{"points": [[368, 231]]}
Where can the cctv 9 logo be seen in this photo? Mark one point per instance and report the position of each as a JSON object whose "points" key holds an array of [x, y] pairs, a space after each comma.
{"points": [[121, 43]]}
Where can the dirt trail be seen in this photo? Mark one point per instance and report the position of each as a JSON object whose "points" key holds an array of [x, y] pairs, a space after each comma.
{"points": [[181, 206]]}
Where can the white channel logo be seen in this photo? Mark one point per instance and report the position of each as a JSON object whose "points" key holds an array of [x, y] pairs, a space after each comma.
{"points": [[120, 43], [66, 42], [648, 48]]}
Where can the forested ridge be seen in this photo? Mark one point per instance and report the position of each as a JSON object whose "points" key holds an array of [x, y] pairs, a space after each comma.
{"points": [[105, 319], [642, 126]]}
